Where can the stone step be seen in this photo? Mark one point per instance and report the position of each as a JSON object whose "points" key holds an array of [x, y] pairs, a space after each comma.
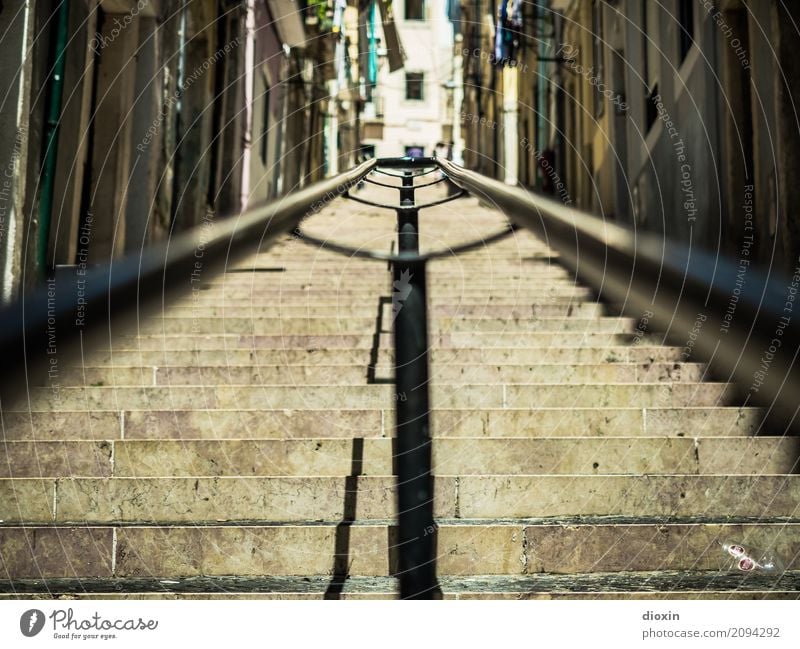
{"points": [[380, 277], [273, 295], [643, 395], [308, 325], [523, 547], [451, 456], [382, 283], [279, 259], [338, 269], [329, 300], [439, 357], [468, 339], [334, 271], [357, 374], [524, 250], [246, 309], [596, 586], [215, 424], [276, 263], [297, 260], [86, 501], [285, 268], [460, 456]]}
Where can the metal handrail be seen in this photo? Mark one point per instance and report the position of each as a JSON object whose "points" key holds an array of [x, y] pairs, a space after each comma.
{"points": [[733, 316], [47, 324], [669, 286]]}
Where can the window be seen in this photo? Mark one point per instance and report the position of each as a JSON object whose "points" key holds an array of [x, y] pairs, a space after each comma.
{"points": [[414, 10], [685, 27], [415, 82]]}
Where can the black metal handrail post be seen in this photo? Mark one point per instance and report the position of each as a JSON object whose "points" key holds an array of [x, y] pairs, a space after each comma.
{"points": [[417, 530]]}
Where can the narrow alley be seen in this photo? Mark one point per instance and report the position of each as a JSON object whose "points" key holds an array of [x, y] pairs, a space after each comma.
{"points": [[419, 299], [247, 430]]}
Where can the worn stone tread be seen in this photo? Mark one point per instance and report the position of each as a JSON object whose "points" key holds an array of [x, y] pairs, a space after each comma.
{"points": [[303, 423], [334, 456], [296, 498], [643, 584], [358, 373], [507, 547]]}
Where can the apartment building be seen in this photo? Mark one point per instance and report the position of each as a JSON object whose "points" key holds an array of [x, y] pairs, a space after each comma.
{"points": [[413, 110], [129, 120]]}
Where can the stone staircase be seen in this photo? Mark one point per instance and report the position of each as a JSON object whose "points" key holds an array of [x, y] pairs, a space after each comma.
{"points": [[240, 444]]}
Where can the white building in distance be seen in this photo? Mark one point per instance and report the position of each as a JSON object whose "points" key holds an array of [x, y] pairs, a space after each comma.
{"points": [[412, 110]]}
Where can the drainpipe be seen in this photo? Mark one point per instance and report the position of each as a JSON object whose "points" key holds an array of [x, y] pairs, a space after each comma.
{"points": [[180, 82], [372, 66], [55, 97], [283, 85], [510, 126], [249, 78], [541, 89], [458, 100], [477, 84], [332, 130]]}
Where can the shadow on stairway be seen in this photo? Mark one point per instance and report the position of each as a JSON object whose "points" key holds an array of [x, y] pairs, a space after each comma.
{"points": [[341, 557], [374, 352]]}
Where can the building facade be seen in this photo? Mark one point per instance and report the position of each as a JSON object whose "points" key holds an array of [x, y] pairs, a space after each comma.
{"points": [[692, 132], [135, 119], [504, 116], [678, 117], [411, 109]]}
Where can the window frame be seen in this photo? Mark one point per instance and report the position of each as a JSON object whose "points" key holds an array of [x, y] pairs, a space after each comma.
{"points": [[415, 19], [420, 80]]}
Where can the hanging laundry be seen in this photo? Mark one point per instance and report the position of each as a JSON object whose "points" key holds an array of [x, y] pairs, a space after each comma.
{"points": [[507, 32]]}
